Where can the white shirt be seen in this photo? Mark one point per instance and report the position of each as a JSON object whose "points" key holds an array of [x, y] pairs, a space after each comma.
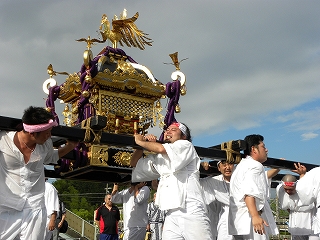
{"points": [[216, 188], [52, 205], [308, 190], [179, 175], [51, 199], [300, 216], [248, 178], [22, 184], [308, 187], [134, 208]]}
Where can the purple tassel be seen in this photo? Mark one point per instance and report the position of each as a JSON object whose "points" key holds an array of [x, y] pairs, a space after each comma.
{"points": [[173, 93]]}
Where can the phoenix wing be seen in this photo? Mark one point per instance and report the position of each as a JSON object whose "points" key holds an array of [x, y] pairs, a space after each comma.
{"points": [[131, 35]]}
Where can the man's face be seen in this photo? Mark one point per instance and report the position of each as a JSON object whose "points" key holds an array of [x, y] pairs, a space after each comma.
{"points": [[225, 169], [260, 152], [42, 137], [172, 134], [107, 200], [289, 190]]}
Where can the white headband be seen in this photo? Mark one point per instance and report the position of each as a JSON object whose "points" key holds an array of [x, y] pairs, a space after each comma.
{"points": [[181, 126]]}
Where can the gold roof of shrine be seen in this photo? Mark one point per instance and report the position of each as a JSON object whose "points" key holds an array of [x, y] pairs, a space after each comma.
{"points": [[112, 83]]}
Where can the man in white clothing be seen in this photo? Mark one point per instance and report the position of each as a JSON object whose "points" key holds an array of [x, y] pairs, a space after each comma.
{"points": [[22, 156], [135, 204], [52, 206], [300, 215], [308, 190], [179, 192], [217, 188], [250, 216]]}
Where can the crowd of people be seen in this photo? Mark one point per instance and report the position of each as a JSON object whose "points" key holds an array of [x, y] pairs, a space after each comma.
{"points": [[233, 205]]}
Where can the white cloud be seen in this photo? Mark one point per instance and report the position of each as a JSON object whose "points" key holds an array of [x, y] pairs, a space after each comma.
{"points": [[302, 120], [309, 136], [247, 60]]}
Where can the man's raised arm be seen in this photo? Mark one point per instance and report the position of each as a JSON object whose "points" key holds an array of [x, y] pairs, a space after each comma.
{"points": [[147, 142]]}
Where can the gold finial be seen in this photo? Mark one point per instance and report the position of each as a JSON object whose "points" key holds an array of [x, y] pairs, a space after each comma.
{"points": [[52, 73], [174, 57], [176, 63], [89, 41]]}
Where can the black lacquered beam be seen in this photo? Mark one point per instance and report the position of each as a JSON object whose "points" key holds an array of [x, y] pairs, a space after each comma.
{"points": [[106, 138], [8, 123], [286, 164], [76, 133], [210, 153], [73, 133]]}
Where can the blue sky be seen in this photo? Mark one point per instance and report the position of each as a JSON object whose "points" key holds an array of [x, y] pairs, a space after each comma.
{"points": [[292, 134], [252, 67]]}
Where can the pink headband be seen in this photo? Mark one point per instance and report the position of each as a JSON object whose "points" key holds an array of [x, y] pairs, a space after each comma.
{"points": [[181, 126], [39, 127], [289, 184]]}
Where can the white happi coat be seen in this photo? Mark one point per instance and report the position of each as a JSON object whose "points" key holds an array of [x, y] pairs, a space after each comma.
{"points": [[135, 217], [308, 187], [178, 171], [249, 178], [308, 190], [22, 184], [213, 206], [134, 208], [217, 189], [179, 189], [22, 188], [52, 205], [300, 216]]}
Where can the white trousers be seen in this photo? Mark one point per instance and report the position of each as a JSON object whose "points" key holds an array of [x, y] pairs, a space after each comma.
{"points": [[222, 227], [180, 225], [27, 224], [135, 233], [252, 236], [47, 234]]}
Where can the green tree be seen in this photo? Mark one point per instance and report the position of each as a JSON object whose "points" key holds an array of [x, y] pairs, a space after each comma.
{"points": [[81, 198]]}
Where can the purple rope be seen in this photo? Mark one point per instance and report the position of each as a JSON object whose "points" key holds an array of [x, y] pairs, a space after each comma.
{"points": [[81, 156], [173, 93], [85, 109], [118, 51], [52, 97]]}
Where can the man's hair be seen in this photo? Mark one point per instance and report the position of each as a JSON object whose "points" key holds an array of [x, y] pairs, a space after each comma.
{"points": [[289, 178], [36, 115], [252, 141], [134, 183], [188, 133], [107, 194]]}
